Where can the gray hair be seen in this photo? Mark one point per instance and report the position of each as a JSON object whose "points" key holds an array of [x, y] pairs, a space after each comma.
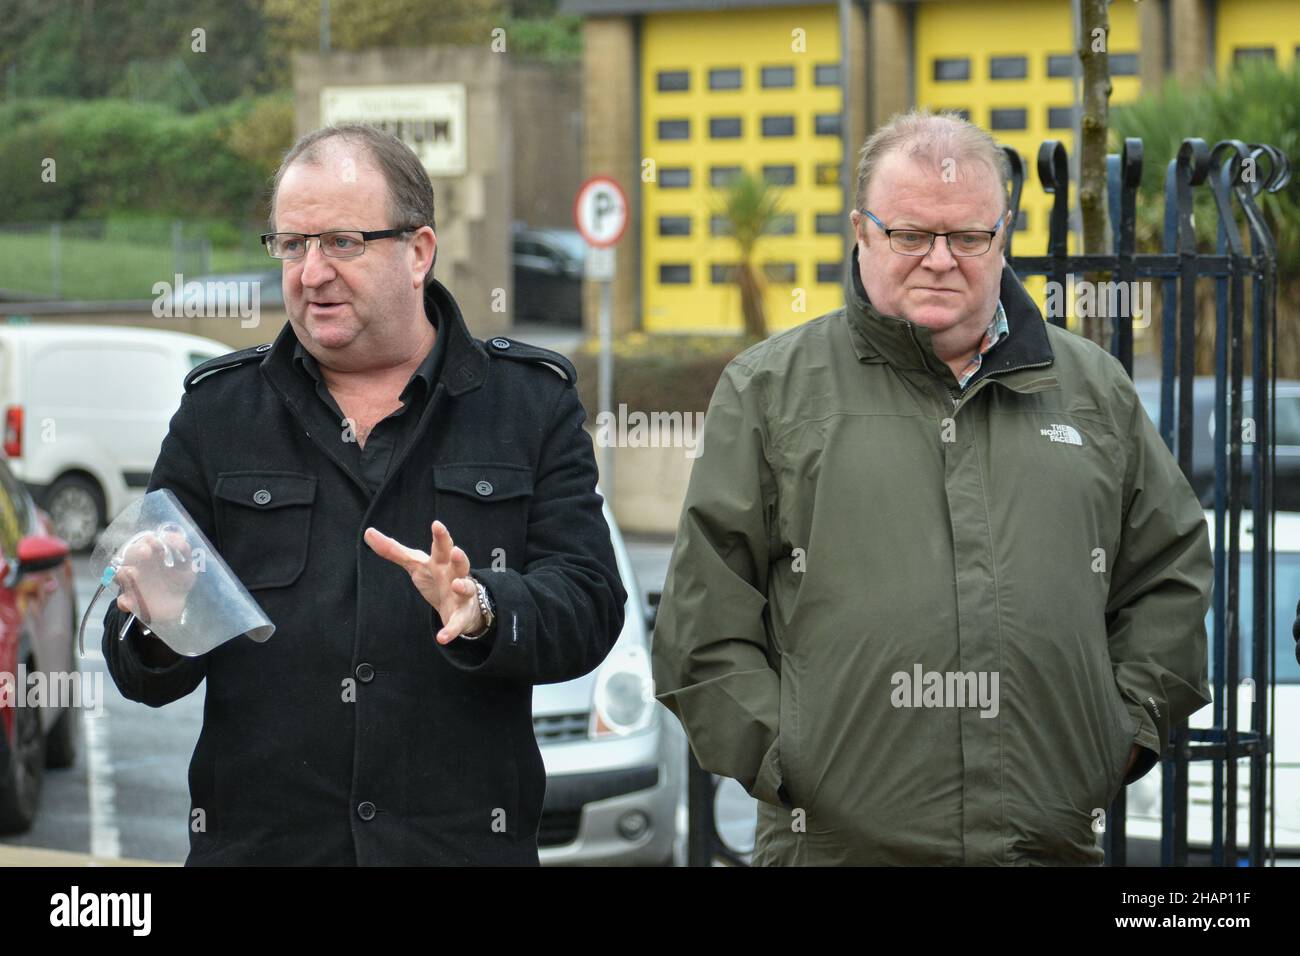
{"points": [[931, 137], [410, 194]]}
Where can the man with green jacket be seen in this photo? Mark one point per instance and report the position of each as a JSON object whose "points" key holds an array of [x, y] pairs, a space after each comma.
{"points": [[939, 588]]}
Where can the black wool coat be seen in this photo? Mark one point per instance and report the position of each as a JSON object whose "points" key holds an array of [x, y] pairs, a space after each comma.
{"points": [[352, 736]]}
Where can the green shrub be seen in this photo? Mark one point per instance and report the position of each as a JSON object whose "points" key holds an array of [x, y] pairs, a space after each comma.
{"points": [[657, 373], [114, 156]]}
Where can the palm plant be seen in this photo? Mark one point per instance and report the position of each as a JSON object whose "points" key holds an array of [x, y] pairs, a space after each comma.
{"points": [[750, 206], [1257, 102]]}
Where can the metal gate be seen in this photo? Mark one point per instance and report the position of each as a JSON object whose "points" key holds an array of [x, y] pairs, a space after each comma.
{"points": [[1234, 173]]}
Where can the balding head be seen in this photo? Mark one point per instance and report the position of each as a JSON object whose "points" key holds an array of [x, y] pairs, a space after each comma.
{"points": [[345, 147], [944, 142]]}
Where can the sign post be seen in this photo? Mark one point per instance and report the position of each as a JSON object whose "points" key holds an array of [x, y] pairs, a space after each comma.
{"points": [[601, 211]]}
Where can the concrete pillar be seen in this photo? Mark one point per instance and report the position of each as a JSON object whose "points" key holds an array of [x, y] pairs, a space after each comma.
{"points": [[610, 145], [1151, 41], [472, 211], [1190, 23], [891, 61], [858, 91]]}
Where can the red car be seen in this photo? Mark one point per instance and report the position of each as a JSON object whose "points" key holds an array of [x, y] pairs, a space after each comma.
{"points": [[38, 608]]}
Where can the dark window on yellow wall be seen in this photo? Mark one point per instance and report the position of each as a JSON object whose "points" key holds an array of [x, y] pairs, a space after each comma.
{"points": [[1123, 64], [828, 174], [673, 81], [719, 226], [779, 175], [674, 225], [953, 69], [828, 224], [1008, 68], [826, 74], [675, 129], [724, 127], [1008, 119], [1253, 53], [675, 273], [721, 273], [676, 177], [778, 125], [828, 124], [1060, 117], [829, 272], [782, 225], [1022, 221], [779, 271], [776, 77], [728, 79], [1060, 64], [722, 175]]}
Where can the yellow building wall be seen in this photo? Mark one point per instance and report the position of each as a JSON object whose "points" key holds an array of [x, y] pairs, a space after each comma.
{"points": [[694, 44], [1256, 25], [977, 31]]}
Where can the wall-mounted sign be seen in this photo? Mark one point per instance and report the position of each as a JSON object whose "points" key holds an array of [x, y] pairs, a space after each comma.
{"points": [[430, 118]]}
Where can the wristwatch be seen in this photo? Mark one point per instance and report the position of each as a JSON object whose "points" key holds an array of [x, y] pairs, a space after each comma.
{"points": [[485, 608]]}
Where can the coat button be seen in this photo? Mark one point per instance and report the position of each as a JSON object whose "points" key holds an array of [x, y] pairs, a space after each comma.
{"points": [[484, 488], [366, 810], [261, 496], [365, 673], [500, 343], [263, 348]]}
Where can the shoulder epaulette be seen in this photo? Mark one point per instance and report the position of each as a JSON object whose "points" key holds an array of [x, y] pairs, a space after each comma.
{"points": [[504, 347], [223, 362]]}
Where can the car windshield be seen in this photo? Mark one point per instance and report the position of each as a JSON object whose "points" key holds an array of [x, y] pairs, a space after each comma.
{"points": [[1288, 590], [571, 243]]}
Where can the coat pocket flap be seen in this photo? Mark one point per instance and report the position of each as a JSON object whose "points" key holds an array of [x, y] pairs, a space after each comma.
{"points": [[485, 482], [265, 489]]}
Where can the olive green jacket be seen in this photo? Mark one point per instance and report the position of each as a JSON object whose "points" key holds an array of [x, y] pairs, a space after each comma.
{"points": [[858, 548]]}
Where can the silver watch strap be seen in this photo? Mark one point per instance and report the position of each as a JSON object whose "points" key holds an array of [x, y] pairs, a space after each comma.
{"points": [[484, 610]]}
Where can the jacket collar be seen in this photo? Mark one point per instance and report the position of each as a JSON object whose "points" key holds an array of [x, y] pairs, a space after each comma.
{"points": [[890, 338], [464, 361]]}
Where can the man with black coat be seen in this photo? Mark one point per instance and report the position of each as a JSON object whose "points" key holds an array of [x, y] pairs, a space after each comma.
{"points": [[389, 719]]}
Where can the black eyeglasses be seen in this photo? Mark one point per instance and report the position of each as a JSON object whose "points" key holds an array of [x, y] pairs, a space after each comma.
{"points": [[338, 243], [916, 242]]}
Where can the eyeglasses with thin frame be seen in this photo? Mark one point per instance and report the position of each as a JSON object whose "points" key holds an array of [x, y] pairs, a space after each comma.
{"points": [[337, 243], [917, 242]]}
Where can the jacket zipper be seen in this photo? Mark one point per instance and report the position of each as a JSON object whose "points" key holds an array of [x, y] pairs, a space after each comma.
{"points": [[1006, 371]]}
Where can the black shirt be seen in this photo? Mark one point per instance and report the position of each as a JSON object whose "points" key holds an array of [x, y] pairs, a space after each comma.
{"points": [[389, 437]]}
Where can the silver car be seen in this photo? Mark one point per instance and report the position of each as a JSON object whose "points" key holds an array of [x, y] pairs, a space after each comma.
{"points": [[615, 758]]}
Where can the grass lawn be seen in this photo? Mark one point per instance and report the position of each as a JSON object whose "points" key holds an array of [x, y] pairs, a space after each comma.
{"points": [[99, 269]]}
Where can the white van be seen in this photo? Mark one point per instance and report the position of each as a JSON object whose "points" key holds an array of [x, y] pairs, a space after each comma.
{"points": [[85, 411]]}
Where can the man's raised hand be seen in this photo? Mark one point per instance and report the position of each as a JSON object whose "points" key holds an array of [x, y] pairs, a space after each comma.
{"points": [[441, 576]]}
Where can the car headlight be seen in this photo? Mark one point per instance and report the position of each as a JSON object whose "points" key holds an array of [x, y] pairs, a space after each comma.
{"points": [[624, 697]]}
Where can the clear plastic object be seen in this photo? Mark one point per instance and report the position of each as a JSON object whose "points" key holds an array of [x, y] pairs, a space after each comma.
{"points": [[179, 585]]}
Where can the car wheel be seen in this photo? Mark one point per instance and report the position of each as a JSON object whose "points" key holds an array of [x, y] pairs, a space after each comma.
{"points": [[76, 506], [23, 771], [61, 741]]}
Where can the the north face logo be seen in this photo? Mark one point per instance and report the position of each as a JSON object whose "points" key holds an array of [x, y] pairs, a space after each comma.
{"points": [[1062, 433]]}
